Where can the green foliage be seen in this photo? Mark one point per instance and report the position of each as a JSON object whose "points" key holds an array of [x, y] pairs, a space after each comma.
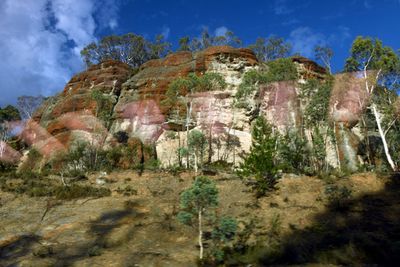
{"points": [[294, 154], [316, 95], [201, 196], [75, 191], [184, 44], [185, 217], [152, 164], [105, 103], [34, 185], [197, 143], [176, 101], [259, 164], [206, 40], [9, 113], [275, 224], [371, 54], [269, 49], [83, 158], [129, 48], [32, 163], [337, 195], [282, 69], [225, 230], [324, 54], [250, 82], [278, 70]]}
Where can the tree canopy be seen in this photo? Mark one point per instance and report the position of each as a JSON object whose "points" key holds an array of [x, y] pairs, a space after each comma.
{"points": [[272, 48], [9, 113], [129, 48]]}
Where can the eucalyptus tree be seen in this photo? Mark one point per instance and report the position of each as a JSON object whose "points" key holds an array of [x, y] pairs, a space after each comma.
{"points": [[196, 203], [129, 48], [324, 54], [179, 100], [380, 68], [272, 48]]}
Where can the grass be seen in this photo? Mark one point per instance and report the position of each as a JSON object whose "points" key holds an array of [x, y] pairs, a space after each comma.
{"points": [[32, 185]]}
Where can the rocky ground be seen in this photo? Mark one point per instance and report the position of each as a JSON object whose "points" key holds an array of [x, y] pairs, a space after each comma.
{"points": [[137, 226]]}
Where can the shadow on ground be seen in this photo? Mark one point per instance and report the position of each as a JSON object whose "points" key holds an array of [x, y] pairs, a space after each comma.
{"points": [[363, 231], [69, 253]]}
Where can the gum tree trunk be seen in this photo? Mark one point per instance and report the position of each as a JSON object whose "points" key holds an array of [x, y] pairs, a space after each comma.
{"points": [[200, 235]]}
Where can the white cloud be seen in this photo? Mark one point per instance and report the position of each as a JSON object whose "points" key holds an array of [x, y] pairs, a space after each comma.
{"points": [[220, 31], [304, 39], [40, 42], [165, 32], [113, 23]]}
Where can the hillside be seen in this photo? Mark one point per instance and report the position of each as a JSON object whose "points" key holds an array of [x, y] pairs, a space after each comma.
{"points": [[303, 222]]}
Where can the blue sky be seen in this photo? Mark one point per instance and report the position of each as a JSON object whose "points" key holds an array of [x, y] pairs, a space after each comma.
{"points": [[40, 40]]}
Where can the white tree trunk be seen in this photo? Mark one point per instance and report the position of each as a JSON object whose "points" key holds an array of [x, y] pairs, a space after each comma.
{"points": [[383, 137], [188, 112], [336, 146], [2, 148], [370, 90], [200, 235], [195, 162]]}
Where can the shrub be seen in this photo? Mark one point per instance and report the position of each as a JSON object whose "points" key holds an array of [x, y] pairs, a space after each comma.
{"points": [[29, 183], [80, 191], [282, 69], [337, 196], [294, 155], [259, 165]]}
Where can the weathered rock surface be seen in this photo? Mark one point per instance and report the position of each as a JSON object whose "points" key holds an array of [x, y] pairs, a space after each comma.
{"points": [[136, 110], [280, 104], [72, 115], [348, 102]]}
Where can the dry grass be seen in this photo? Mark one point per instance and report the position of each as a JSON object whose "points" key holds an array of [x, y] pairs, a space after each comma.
{"points": [[141, 227]]}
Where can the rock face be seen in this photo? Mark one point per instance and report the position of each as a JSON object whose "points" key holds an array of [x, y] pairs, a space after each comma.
{"points": [[73, 115], [132, 107], [154, 77], [348, 102], [139, 112], [280, 104]]}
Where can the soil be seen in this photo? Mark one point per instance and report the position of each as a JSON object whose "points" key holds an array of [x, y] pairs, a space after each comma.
{"points": [[137, 225]]}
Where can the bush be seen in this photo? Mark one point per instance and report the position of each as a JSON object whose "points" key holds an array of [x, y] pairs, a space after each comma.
{"points": [[152, 164], [278, 70], [80, 191], [31, 184], [337, 196], [260, 165]]}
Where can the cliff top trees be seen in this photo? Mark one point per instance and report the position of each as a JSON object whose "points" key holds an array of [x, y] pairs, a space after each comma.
{"points": [[282, 69], [272, 48], [129, 48], [206, 40], [324, 54], [27, 105], [9, 113]]}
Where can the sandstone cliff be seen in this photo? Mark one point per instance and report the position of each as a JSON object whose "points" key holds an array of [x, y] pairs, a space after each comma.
{"points": [[132, 106]]}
